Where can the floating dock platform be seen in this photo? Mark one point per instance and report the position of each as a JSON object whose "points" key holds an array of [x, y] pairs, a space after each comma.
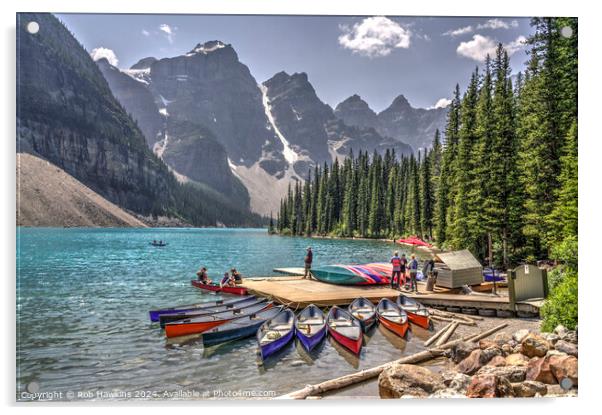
{"points": [[296, 292]]}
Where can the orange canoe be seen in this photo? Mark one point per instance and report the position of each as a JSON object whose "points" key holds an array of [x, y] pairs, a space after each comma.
{"points": [[204, 323], [392, 317]]}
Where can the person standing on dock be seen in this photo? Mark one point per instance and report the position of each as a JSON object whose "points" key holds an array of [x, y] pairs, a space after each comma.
{"points": [[396, 273], [413, 272], [309, 257]]}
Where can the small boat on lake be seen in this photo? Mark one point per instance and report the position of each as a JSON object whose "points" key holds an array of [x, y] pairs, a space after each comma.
{"points": [[345, 329], [200, 324], [276, 333], [417, 313], [217, 288], [239, 328], [310, 327], [363, 310], [391, 316], [208, 305], [158, 243], [169, 318], [367, 274]]}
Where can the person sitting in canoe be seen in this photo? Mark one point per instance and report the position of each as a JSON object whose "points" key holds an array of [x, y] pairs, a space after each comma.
{"points": [[237, 276], [396, 274], [225, 280], [203, 277]]}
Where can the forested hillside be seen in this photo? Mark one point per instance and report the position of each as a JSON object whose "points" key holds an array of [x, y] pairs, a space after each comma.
{"points": [[508, 166]]}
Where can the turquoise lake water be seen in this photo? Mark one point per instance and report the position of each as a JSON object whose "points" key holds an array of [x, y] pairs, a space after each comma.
{"points": [[83, 297]]}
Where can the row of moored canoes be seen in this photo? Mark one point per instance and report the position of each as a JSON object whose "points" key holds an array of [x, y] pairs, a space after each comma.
{"points": [[221, 321]]}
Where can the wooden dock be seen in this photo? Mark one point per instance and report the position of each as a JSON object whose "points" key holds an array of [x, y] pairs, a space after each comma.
{"points": [[296, 292]]}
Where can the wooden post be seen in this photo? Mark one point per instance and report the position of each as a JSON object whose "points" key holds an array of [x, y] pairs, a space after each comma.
{"points": [[437, 335], [511, 290], [544, 280]]}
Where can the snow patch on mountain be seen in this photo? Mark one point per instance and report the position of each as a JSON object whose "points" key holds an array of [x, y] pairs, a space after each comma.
{"points": [[140, 75], [289, 154]]}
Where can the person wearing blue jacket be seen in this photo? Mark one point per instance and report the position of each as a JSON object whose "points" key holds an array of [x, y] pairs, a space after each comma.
{"points": [[413, 265]]}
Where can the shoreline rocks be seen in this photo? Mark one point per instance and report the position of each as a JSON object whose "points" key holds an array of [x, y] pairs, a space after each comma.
{"points": [[522, 365]]}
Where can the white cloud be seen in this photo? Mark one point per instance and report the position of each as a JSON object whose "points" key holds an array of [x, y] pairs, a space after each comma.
{"points": [[480, 46], [145, 32], [168, 30], [101, 52], [516, 45], [497, 24], [375, 36], [459, 31], [442, 103]]}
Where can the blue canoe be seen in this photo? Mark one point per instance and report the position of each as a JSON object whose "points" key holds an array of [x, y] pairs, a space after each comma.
{"points": [[310, 327], [276, 333], [239, 305], [239, 328], [365, 311], [154, 314]]}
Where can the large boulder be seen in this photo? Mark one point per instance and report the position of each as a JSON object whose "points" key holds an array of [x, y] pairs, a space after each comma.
{"points": [[561, 331], [552, 338], [529, 388], [517, 359], [455, 381], [502, 338], [534, 346], [462, 350], [520, 335], [497, 361], [512, 373], [489, 386], [489, 353], [471, 364], [539, 370], [447, 393], [567, 347], [402, 380], [564, 367]]}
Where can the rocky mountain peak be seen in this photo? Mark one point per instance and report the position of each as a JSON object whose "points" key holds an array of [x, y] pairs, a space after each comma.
{"points": [[144, 63], [209, 46], [400, 103], [354, 111]]}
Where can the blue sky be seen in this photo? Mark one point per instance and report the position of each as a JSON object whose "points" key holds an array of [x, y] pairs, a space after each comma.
{"points": [[374, 56]]}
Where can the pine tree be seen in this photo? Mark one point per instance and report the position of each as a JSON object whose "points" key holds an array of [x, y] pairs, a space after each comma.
{"points": [[444, 195], [461, 225], [426, 195]]}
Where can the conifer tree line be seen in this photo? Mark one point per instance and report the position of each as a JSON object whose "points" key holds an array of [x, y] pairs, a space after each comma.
{"points": [[507, 166]]}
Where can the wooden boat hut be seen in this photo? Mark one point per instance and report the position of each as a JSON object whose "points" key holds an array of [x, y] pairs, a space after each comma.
{"points": [[458, 268]]}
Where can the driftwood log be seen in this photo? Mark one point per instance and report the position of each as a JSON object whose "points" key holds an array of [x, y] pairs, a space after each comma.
{"points": [[436, 335], [445, 336], [363, 375], [455, 320]]}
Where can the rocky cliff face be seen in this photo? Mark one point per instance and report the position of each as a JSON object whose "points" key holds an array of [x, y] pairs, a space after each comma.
{"points": [[209, 86], [137, 100], [415, 126], [311, 128], [67, 114]]}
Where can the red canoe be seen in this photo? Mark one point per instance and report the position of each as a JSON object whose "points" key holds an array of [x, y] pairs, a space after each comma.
{"points": [[414, 241], [391, 316], [345, 329], [201, 324], [217, 288]]}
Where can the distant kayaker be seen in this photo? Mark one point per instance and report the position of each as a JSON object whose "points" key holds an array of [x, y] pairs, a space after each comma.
{"points": [[413, 272], [237, 276], [309, 257], [202, 274], [396, 273]]}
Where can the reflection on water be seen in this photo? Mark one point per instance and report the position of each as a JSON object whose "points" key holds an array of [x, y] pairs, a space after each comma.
{"points": [[83, 297]]}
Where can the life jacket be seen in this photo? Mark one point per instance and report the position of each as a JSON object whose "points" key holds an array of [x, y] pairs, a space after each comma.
{"points": [[396, 261]]}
